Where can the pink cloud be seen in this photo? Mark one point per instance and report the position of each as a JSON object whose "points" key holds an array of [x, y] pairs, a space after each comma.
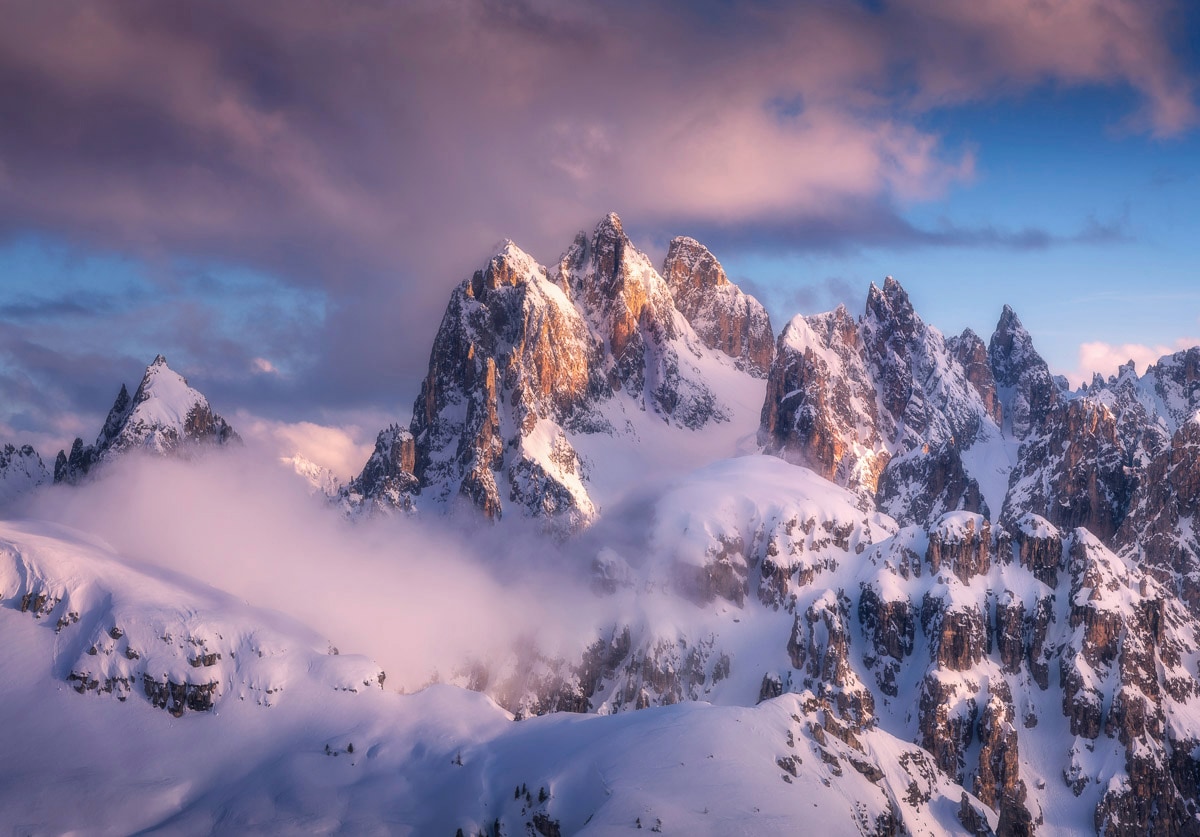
{"points": [[342, 449], [1105, 358], [377, 151], [352, 135]]}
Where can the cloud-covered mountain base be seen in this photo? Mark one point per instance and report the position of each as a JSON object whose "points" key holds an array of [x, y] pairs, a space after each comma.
{"points": [[268, 730]]}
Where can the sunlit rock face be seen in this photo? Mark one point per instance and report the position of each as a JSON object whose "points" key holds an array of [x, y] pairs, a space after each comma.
{"points": [[646, 342], [527, 359], [164, 416], [723, 316]]}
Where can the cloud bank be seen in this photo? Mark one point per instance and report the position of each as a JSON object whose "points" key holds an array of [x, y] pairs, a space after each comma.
{"points": [[421, 600], [1104, 358]]}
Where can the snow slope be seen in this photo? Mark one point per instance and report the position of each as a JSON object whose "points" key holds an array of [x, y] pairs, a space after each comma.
{"points": [[299, 739]]}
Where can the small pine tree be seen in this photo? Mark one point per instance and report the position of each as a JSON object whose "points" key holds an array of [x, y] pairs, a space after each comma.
{"points": [[542, 795], [350, 748], [517, 792]]}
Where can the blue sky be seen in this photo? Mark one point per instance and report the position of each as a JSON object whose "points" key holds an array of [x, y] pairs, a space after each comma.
{"points": [[279, 197], [1119, 212]]}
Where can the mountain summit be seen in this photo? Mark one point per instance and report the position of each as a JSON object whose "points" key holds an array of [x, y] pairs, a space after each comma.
{"points": [[528, 361], [164, 416]]}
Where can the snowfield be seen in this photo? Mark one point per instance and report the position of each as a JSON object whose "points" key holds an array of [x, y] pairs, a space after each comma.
{"points": [[301, 740]]}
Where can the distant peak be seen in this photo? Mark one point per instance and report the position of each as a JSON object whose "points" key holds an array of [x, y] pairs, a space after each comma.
{"points": [[609, 227], [890, 304], [508, 266], [503, 247], [685, 242], [690, 264], [509, 251], [159, 360], [1009, 321]]}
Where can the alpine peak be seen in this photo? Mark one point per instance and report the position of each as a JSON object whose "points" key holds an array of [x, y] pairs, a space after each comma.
{"points": [[164, 416]]}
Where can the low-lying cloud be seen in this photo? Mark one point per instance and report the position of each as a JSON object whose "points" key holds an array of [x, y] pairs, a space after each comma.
{"points": [[421, 600]]}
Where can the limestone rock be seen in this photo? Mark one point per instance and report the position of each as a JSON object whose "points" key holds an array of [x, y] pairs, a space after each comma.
{"points": [[1028, 390], [723, 316]]}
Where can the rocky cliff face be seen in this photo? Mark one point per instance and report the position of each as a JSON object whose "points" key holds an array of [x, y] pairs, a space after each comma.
{"points": [[165, 416], [387, 480], [908, 603], [724, 318], [821, 409], [1027, 390], [1160, 531], [882, 404], [527, 360], [513, 365], [1073, 473], [972, 640], [648, 347]]}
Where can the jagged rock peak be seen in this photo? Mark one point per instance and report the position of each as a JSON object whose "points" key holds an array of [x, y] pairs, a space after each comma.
{"points": [[1011, 349], [164, 415], [509, 266], [609, 228], [387, 480], [971, 353], [851, 399], [890, 305], [689, 263], [724, 317], [1031, 392], [647, 344]]}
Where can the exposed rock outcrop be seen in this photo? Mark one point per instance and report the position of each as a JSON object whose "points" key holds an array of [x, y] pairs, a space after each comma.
{"points": [[1028, 392], [723, 316], [388, 478], [1074, 473], [881, 405], [820, 410], [1161, 532], [526, 359]]}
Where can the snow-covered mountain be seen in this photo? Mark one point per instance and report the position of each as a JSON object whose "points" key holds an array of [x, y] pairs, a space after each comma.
{"points": [[164, 416], [529, 362], [21, 471], [282, 734], [856, 578]]}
